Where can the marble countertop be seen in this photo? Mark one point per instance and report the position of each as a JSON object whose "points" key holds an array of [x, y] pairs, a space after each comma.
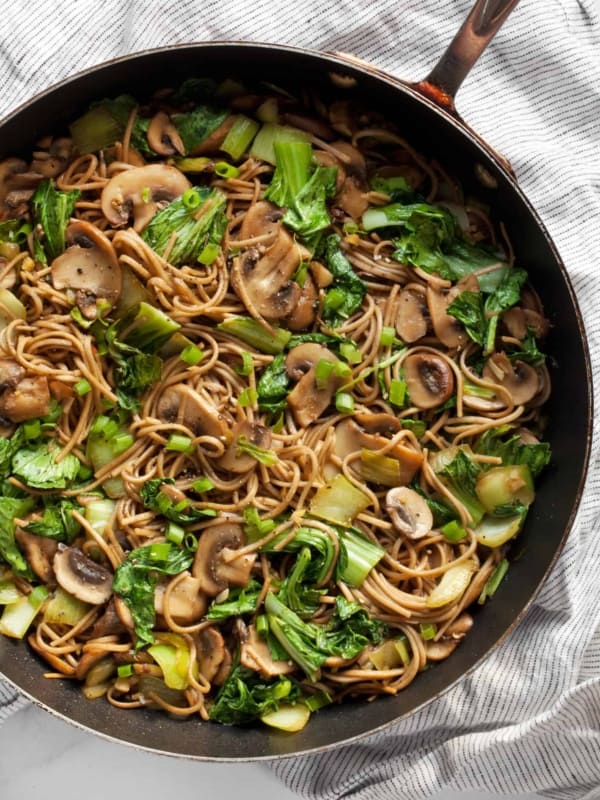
{"points": [[65, 759]]}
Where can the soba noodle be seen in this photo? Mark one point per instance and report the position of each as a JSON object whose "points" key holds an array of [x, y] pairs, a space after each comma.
{"points": [[393, 392]]}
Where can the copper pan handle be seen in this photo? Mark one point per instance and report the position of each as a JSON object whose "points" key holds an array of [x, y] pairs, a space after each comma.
{"points": [[476, 32]]}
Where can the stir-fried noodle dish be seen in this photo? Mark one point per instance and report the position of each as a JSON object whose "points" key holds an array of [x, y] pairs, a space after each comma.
{"points": [[271, 403]]}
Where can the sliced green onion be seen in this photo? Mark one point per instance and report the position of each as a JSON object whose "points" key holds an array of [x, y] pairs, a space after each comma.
{"points": [[388, 335], [494, 581], [209, 254], [239, 136], [247, 397], [180, 443], [397, 394], [191, 198], [454, 531], [428, 631], [350, 227], [225, 170], [301, 274], [350, 352], [358, 555], [323, 371], [125, 670], [342, 370], [159, 551], [334, 298], [203, 485], [262, 625], [266, 457], [191, 540], [84, 473], [32, 429], [121, 442], [365, 373], [344, 403], [246, 366], [145, 194], [82, 387], [191, 355], [174, 533], [37, 596], [252, 332]]}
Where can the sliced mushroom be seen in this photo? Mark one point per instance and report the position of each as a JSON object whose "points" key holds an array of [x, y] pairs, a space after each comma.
{"points": [[214, 563], [234, 461], [109, 624], [409, 512], [514, 321], [303, 315], [353, 435], [163, 136], [52, 162], [255, 654], [261, 219], [307, 400], [351, 197], [39, 552], [460, 627], [429, 379], [210, 652], [343, 117], [439, 651], [29, 399], [124, 614], [321, 274], [264, 282], [17, 184], [87, 661], [80, 576], [412, 317], [181, 404], [448, 330], [214, 140], [224, 669], [314, 125], [89, 268], [141, 191], [519, 378], [10, 373], [186, 605]]}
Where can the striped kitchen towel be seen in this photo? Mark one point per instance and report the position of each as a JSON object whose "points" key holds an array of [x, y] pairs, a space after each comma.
{"points": [[528, 719]]}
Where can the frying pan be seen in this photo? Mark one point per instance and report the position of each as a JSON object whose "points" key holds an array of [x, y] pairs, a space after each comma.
{"points": [[439, 131]]}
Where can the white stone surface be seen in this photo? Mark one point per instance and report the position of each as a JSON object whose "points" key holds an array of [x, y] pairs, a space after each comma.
{"points": [[43, 758]]}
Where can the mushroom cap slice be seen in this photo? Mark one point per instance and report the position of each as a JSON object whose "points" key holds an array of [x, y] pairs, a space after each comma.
{"points": [[141, 191], [264, 282], [519, 378], [256, 434], [412, 317], [39, 552], [261, 219], [447, 329], [80, 576], [351, 197], [187, 604], [429, 378], [255, 654], [89, 267], [181, 404], [408, 512], [163, 137], [214, 565], [29, 399], [307, 400], [210, 651], [303, 315]]}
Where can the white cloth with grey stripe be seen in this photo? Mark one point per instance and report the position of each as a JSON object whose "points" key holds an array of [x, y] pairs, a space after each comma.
{"points": [[528, 719]]}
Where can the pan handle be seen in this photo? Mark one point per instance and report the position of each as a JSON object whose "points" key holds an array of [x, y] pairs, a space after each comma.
{"points": [[476, 32]]}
